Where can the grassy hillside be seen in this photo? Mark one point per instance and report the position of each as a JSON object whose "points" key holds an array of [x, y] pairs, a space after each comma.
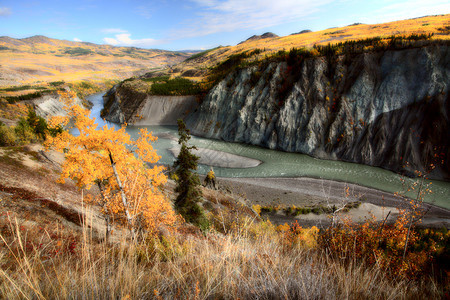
{"points": [[198, 65], [40, 58]]}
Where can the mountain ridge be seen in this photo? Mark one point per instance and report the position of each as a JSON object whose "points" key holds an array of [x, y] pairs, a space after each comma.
{"points": [[437, 25]]}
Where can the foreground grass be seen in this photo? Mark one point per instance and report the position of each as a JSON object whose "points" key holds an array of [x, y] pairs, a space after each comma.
{"points": [[253, 262]]}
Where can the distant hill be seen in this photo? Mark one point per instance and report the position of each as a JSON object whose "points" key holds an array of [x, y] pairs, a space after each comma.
{"points": [[267, 35], [40, 58], [302, 32]]}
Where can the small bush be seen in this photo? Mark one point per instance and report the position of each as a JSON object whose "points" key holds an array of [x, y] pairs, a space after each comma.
{"points": [[77, 51], [384, 246], [165, 78], [24, 132], [17, 88], [317, 210], [175, 87], [267, 209], [7, 136], [56, 83], [37, 123], [13, 99], [29, 129]]}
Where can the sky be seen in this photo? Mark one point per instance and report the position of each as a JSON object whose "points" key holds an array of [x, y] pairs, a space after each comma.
{"points": [[195, 24]]}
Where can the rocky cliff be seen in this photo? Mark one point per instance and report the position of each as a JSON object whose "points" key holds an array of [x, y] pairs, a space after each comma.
{"points": [[386, 108], [51, 105], [125, 105], [389, 108]]}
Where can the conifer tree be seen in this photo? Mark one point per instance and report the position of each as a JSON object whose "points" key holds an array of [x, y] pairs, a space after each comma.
{"points": [[188, 183]]}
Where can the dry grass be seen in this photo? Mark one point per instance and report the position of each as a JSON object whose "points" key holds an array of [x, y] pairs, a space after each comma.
{"points": [[251, 264], [46, 255]]}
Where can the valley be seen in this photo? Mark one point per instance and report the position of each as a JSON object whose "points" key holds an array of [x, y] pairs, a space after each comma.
{"points": [[312, 165]]}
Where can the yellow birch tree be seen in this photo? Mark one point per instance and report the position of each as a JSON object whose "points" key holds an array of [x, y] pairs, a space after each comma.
{"points": [[130, 191]]}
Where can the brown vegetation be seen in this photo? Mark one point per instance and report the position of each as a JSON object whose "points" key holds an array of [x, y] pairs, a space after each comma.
{"points": [[45, 253]]}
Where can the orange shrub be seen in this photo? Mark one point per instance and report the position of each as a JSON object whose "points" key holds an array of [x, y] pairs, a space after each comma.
{"points": [[379, 245]]}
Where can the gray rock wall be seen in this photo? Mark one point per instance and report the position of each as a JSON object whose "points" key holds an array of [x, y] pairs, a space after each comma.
{"points": [[165, 110], [51, 105], [383, 109], [140, 109]]}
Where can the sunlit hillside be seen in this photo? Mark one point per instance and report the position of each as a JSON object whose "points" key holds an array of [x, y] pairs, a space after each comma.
{"points": [[439, 26], [39, 58]]}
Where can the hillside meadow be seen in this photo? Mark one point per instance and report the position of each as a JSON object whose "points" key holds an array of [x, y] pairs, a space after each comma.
{"points": [[43, 59], [438, 26]]}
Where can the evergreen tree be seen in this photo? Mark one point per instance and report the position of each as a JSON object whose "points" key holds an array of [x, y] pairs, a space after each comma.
{"points": [[188, 183]]}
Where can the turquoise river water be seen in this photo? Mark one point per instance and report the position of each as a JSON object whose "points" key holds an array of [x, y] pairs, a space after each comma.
{"points": [[282, 164]]}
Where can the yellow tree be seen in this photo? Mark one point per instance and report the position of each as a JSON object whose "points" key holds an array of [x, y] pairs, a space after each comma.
{"points": [[130, 191]]}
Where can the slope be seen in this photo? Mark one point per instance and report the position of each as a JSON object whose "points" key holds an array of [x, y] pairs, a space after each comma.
{"points": [[39, 58], [199, 64]]}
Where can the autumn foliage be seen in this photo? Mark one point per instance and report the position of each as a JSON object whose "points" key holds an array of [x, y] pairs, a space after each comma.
{"points": [[109, 159], [380, 245]]}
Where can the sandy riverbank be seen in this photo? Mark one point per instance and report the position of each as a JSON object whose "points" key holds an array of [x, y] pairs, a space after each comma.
{"points": [[220, 158], [303, 192]]}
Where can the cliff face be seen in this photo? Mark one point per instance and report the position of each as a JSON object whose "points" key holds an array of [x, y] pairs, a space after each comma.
{"points": [[124, 105], [51, 105], [383, 109]]}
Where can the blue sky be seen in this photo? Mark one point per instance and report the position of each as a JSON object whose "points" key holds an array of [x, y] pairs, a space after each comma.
{"points": [[195, 24]]}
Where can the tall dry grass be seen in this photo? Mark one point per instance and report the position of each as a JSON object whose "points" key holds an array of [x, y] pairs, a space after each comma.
{"points": [[252, 263]]}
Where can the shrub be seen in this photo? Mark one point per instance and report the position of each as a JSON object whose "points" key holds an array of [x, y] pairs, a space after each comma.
{"points": [[30, 96], [165, 78], [37, 123], [84, 88], [24, 132], [380, 245], [176, 86], [77, 51], [56, 83], [7, 136], [17, 88]]}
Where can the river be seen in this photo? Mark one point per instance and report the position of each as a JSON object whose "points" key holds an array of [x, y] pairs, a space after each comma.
{"points": [[282, 164]]}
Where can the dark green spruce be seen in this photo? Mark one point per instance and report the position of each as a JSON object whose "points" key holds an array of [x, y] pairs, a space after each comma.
{"points": [[187, 182]]}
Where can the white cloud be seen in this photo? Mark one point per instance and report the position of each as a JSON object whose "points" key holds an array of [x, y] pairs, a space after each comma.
{"points": [[230, 15], [113, 30], [5, 11], [124, 39], [77, 40]]}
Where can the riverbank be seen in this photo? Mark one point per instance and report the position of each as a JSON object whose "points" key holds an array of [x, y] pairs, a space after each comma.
{"points": [[268, 184], [308, 192]]}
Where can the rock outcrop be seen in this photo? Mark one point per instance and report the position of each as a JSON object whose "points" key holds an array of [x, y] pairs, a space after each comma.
{"points": [[267, 35], [51, 105], [124, 105], [389, 108]]}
